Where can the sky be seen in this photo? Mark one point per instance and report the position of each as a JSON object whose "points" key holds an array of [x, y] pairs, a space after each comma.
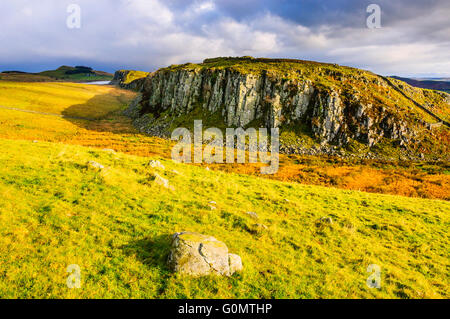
{"points": [[413, 40]]}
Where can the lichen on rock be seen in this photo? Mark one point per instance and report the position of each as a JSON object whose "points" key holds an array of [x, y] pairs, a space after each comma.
{"points": [[196, 254]]}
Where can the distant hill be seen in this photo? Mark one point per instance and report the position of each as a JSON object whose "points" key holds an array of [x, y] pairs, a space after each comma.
{"points": [[63, 73], [432, 79], [441, 84]]}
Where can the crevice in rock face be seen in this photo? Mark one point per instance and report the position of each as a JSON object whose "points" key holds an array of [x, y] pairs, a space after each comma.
{"points": [[205, 258]]}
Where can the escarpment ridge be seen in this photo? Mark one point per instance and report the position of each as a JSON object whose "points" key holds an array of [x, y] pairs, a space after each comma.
{"points": [[315, 105]]}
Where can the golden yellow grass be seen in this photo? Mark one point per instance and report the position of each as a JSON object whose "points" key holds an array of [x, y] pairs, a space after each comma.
{"points": [[69, 99], [116, 224], [115, 131]]}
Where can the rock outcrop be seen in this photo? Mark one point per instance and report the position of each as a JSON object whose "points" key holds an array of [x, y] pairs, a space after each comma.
{"points": [[129, 79], [335, 104], [94, 165], [119, 77], [162, 182], [200, 255], [156, 164]]}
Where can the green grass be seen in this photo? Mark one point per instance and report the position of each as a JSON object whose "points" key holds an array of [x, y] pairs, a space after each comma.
{"points": [[69, 99], [116, 225], [116, 131]]}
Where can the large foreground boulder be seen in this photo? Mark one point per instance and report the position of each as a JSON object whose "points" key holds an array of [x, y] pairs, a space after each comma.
{"points": [[201, 255]]}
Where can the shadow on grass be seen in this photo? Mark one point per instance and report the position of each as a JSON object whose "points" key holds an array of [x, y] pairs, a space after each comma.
{"points": [[96, 115], [152, 252]]}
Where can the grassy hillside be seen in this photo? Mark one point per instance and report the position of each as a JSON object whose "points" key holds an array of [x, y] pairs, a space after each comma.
{"points": [[115, 131], [132, 75], [24, 77], [63, 98], [116, 224], [438, 102], [63, 74], [434, 84]]}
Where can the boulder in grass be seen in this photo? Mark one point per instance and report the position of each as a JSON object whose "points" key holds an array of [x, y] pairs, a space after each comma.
{"points": [[156, 164], [235, 263], [95, 165], [163, 182], [252, 215], [326, 220], [198, 255]]}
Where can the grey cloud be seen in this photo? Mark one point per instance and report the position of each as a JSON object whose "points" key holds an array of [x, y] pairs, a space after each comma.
{"points": [[147, 34]]}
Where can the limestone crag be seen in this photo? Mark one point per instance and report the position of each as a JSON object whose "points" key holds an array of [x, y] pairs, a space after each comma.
{"points": [[243, 98], [333, 105], [121, 79]]}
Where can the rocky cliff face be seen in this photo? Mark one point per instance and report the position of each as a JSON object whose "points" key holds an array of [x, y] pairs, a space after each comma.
{"points": [[129, 79], [333, 104]]}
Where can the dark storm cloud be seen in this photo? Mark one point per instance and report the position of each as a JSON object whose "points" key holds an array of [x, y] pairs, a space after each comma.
{"points": [[147, 34], [317, 12]]}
